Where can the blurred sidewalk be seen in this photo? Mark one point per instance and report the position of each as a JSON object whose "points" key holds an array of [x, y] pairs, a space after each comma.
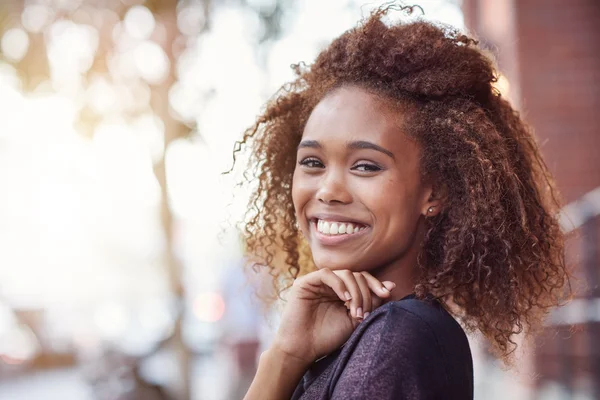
{"points": [[57, 384], [210, 381]]}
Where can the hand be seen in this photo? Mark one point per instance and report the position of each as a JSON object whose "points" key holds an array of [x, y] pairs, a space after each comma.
{"points": [[323, 309]]}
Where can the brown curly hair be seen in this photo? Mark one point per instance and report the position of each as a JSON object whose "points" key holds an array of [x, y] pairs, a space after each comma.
{"points": [[495, 255]]}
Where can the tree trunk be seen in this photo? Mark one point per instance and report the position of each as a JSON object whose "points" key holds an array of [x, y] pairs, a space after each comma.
{"points": [[165, 13]]}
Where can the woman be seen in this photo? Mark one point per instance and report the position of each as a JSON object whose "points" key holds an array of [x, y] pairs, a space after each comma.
{"points": [[403, 191]]}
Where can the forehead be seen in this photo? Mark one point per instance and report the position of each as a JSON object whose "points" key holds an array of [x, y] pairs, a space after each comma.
{"points": [[352, 113]]}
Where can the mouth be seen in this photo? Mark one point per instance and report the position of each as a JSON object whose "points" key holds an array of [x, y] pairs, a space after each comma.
{"points": [[332, 228], [330, 232]]}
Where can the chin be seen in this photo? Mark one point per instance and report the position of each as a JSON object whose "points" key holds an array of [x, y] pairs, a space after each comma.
{"points": [[336, 263]]}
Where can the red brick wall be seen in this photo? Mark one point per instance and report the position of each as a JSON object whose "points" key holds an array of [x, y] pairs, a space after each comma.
{"points": [[551, 51], [553, 54], [559, 69]]}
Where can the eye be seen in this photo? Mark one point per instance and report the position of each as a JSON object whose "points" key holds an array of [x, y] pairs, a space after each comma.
{"points": [[364, 167], [311, 162]]}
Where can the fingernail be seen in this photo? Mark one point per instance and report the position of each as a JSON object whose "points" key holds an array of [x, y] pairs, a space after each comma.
{"points": [[359, 312], [347, 294], [383, 288], [367, 314]]}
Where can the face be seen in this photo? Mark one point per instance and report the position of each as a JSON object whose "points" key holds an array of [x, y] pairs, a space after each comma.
{"points": [[357, 189]]}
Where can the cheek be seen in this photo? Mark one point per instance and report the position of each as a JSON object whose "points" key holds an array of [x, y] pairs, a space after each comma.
{"points": [[381, 196], [300, 195], [394, 205]]}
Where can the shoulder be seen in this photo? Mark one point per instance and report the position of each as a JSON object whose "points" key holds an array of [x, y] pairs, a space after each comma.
{"points": [[407, 349], [422, 334], [415, 332], [414, 317], [402, 331]]}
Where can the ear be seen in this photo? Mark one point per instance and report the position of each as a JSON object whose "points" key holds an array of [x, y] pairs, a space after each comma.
{"points": [[436, 198]]}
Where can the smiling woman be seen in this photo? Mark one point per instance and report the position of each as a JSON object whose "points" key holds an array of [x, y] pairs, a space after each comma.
{"points": [[403, 191], [352, 157]]}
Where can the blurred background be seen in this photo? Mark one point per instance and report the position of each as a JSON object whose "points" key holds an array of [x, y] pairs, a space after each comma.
{"points": [[120, 275]]}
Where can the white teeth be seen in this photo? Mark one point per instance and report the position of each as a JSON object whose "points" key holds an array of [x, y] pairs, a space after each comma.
{"points": [[337, 228], [333, 229]]}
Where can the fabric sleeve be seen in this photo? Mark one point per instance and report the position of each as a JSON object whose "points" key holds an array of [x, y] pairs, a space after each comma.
{"points": [[398, 357]]}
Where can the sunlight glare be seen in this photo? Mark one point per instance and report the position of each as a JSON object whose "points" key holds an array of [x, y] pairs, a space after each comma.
{"points": [[151, 62], [139, 22], [15, 43], [191, 19], [71, 48], [35, 17]]}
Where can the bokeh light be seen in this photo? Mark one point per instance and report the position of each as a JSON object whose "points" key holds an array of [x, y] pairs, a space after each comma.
{"points": [[15, 44], [139, 22], [36, 17]]}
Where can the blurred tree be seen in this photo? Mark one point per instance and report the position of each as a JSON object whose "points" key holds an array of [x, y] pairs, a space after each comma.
{"points": [[105, 19], [34, 69], [165, 12]]}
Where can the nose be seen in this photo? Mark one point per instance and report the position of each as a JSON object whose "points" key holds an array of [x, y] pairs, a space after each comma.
{"points": [[333, 189]]}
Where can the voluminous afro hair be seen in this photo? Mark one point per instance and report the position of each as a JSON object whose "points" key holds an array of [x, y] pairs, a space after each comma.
{"points": [[495, 255]]}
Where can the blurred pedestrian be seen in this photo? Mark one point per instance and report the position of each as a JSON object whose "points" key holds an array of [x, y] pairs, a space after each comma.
{"points": [[241, 326]]}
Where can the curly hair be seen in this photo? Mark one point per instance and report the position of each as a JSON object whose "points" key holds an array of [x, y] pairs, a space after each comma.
{"points": [[495, 255]]}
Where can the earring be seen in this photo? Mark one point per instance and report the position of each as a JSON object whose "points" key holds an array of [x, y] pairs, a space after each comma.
{"points": [[430, 210]]}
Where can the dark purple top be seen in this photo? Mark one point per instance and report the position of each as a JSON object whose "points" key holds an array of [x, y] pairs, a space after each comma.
{"points": [[406, 349]]}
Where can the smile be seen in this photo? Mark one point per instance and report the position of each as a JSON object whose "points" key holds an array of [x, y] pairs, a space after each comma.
{"points": [[338, 228], [349, 232]]}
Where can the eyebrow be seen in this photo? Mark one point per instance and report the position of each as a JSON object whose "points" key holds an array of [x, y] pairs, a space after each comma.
{"points": [[359, 144]]}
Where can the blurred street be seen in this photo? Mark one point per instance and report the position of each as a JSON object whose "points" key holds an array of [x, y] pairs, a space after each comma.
{"points": [[63, 383], [120, 261], [210, 377]]}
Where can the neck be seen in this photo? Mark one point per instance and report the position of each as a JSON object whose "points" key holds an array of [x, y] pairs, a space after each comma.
{"points": [[403, 276], [403, 271]]}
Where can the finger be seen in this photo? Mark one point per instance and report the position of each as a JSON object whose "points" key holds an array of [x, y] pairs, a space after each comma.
{"points": [[380, 289], [365, 292], [350, 282], [326, 277]]}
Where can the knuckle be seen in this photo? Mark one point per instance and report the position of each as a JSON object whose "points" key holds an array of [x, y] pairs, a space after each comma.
{"points": [[369, 277], [298, 282], [338, 281], [325, 271]]}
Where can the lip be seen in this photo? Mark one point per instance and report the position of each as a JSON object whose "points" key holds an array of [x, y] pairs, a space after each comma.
{"points": [[333, 240]]}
